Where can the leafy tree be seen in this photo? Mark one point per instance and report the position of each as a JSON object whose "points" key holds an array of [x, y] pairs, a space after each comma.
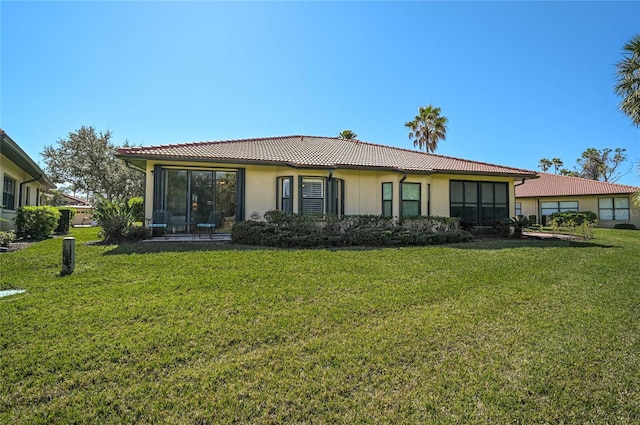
{"points": [[427, 128], [570, 173], [601, 164], [557, 163], [628, 80], [544, 164], [87, 161], [347, 134]]}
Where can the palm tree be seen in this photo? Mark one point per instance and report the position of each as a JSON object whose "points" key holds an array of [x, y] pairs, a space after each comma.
{"points": [[427, 128], [557, 163], [628, 80], [347, 134], [545, 164]]}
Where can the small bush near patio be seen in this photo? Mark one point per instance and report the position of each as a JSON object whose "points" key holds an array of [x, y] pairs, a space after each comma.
{"points": [[291, 230], [573, 222], [36, 223], [117, 221]]}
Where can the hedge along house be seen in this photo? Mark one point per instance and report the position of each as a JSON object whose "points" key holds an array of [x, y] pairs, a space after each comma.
{"points": [[242, 179], [553, 193], [22, 181]]}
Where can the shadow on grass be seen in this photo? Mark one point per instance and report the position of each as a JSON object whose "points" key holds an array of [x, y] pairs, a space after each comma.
{"points": [[488, 244], [493, 244]]}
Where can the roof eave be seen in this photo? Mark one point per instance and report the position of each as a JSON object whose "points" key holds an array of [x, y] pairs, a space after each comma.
{"points": [[15, 154]]}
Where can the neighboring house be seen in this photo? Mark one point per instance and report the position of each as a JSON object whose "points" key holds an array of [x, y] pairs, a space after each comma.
{"points": [[22, 180], [83, 216], [553, 193], [242, 179]]}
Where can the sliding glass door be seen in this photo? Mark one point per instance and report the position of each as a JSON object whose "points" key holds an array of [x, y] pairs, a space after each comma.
{"points": [[199, 196]]}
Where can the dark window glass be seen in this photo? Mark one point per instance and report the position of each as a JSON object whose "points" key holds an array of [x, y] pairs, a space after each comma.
{"points": [[387, 199], [411, 199]]}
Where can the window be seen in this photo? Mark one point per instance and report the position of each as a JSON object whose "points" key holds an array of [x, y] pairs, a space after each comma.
{"points": [[312, 196], [479, 203], [28, 196], [613, 208], [285, 194], [387, 199], [518, 209], [548, 208], [410, 199], [9, 193]]}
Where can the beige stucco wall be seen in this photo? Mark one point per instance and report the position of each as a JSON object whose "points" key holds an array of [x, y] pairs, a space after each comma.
{"points": [[585, 203], [10, 169], [363, 188]]}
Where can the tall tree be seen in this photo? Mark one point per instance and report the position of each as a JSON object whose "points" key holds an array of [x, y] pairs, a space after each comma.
{"points": [[601, 164], [557, 164], [571, 173], [628, 80], [347, 134], [87, 161], [427, 128], [544, 164]]}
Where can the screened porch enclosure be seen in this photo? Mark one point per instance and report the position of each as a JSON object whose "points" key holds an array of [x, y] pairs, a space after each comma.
{"points": [[192, 197]]}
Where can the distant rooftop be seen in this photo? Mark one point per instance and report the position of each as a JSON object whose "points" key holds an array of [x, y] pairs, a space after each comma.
{"points": [[322, 152], [557, 185]]}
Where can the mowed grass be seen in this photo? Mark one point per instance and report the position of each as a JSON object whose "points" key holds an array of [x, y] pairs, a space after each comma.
{"points": [[486, 332]]}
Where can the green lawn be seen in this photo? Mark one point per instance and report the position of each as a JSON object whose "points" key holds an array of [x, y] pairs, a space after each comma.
{"points": [[491, 332]]}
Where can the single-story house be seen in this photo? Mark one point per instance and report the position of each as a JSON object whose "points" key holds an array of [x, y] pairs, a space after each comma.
{"points": [[84, 209], [22, 180], [242, 179], [555, 193]]}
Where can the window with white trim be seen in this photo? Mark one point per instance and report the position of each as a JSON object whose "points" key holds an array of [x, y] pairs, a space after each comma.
{"points": [[518, 209], [312, 195], [285, 194], [411, 199], [613, 209], [548, 208]]}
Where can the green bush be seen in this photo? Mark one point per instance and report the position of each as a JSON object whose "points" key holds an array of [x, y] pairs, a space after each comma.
{"points": [[7, 237], [572, 221], [291, 230], [36, 222], [63, 227], [114, 217], [136, 232], [574, 218], [136, 205], [626, 226]]}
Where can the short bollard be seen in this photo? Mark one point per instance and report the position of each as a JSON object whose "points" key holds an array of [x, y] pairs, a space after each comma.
{"points": [[68, 256]]}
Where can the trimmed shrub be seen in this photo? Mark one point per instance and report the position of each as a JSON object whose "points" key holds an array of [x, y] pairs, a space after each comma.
{"points": [[572, 221], [575, 218], [7, 237], [290, 230], [36, 222], [626, 226], [68, 213]]}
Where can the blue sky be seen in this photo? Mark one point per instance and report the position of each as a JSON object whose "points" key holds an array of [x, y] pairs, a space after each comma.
{"points": [[518, 80]]}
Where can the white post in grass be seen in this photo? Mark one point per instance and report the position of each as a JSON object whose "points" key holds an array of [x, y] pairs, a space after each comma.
{"points": [[68, 256]]}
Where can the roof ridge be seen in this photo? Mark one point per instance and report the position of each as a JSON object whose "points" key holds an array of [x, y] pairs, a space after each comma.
{"points": [[442, 156], [589, 180], [208, 142]]}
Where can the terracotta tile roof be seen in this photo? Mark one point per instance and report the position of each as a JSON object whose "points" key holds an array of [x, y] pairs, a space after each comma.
{"points": [[556, 185], [309, 151]]}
